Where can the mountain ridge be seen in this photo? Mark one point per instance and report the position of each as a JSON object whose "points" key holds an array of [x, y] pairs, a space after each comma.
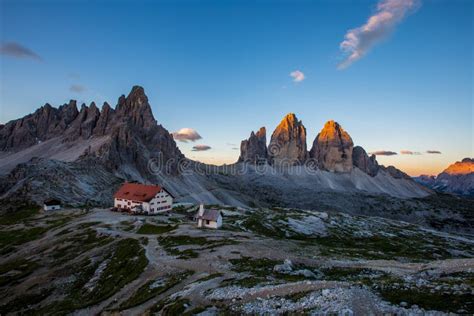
{"points": [[129, 144], [457, 178]]}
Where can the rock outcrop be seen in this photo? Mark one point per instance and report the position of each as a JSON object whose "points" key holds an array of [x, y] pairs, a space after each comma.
{"points": [[288, 143], [254, 149], [332, 148], [458, 179], [395, 173], [361, 160]]}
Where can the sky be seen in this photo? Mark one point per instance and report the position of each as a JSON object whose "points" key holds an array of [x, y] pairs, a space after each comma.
{"points": [[396, 74]]}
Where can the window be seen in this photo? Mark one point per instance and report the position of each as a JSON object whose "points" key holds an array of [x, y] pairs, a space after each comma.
{"points": [[207, 222]]}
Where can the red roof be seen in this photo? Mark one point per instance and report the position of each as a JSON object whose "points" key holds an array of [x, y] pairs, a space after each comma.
{"points": [[137, 192]]}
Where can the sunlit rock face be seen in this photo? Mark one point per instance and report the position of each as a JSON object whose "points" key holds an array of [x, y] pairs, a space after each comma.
{"points": [[458, 178], [466, 166], [361, 160], [332, 148], [288, 143], [254, 149]]}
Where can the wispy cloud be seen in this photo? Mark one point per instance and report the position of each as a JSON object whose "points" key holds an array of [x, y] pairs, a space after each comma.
{"points": [[186, 134], [383, 153], [297, 75], [433, 152], [389, 13], [17, 50], [77, 88], [409, 152], [201, 148]]}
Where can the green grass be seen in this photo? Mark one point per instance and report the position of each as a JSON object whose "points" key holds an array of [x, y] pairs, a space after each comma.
{"points": [[11, 238], [170, 244], [146, 292], [383, 284], [77, 244], [210, 277], [24, 301], [175, 308], [430, 301], [19, 216], [17, 237], [126, 262], [22, 267], [155, 229]]}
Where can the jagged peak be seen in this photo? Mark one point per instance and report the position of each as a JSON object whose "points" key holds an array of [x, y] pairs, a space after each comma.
{"points": [[261, 132], [106, 107], [137, 94], [332, 130]]}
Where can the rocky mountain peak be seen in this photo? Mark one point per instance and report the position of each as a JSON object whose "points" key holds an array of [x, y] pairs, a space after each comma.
{"points": [[288, 142], [136, 109], [332, 148], [466, 166], [254, 149], [361, 160], [261, 133]]}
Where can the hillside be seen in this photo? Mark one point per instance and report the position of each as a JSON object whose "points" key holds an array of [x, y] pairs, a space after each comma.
{"points": [[261, 261]]}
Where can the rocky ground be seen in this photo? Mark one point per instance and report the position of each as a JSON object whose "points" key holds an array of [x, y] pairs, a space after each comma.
{"points": [[262, 261]]}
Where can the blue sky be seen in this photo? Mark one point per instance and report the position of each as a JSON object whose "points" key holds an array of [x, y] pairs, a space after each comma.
{"points": [[223, 68]]}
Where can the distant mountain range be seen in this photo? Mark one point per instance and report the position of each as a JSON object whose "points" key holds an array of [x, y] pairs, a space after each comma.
{"points": [[458, 179], [82, 155]]}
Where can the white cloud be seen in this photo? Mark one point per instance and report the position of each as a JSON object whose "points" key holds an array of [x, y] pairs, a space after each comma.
{"points": [[298, 76], [357, 42], [186, 134]]}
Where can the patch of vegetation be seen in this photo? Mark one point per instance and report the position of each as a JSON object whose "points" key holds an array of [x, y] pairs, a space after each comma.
{"points": [[11, 238], [126, 262], [24, 301], [170, 244], [210, 277], [155, 229], [430, 301], [15, 270], [414, 247], [78, 244], [175, 308], [19, 216], [152, 289], [17, 237], [87, 225]]}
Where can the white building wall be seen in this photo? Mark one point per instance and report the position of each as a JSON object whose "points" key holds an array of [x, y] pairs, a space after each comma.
{"points": [[211, 224], [125, 204], [162, 202], [51, 207]]}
